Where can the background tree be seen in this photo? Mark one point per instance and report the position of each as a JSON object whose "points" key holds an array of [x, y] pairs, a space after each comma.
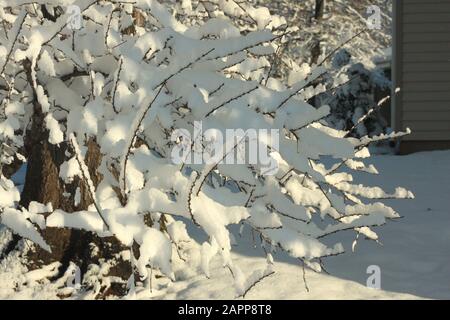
{"points": [[318, 15]]}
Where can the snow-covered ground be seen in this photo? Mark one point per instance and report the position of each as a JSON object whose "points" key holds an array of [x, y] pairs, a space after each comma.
{"points": [[413, 258]]}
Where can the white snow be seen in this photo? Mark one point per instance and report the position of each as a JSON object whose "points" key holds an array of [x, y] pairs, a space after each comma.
{"points": [[129, 92], [56, 136], [16, 220], [413, 259]]}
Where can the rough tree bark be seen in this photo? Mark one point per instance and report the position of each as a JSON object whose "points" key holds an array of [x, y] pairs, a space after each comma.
{"points": [[43, 184]]}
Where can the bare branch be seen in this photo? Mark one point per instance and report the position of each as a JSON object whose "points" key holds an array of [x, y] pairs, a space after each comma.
{"points": [[20, 20]]}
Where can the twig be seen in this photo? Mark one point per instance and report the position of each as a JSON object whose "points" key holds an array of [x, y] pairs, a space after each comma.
{"points": [[308, 80], [230, 100], [130, 142], [184, 68], [86, 176], [368, 113], [8, 54], [340, 46], [255, 283], [116, 84], [304, 276]]}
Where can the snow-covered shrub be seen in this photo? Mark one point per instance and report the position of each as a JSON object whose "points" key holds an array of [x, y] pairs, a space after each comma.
{"points": [[341, 20], [351, 96], [352, 76], [130, 91]]}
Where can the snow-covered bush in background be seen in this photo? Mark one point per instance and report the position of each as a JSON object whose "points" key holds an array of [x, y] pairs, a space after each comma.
{"points": [[129, 91], [351, 96], [341, 20], [352, 75]]}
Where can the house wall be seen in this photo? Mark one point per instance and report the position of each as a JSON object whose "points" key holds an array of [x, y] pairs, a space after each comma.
{"points": [[421, 68]]}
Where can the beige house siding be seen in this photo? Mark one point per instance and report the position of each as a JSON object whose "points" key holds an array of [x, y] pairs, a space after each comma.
{"points": [[421, 68]]}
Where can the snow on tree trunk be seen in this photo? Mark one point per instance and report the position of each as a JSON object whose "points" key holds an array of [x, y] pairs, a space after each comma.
{"points": [[116, 106]]}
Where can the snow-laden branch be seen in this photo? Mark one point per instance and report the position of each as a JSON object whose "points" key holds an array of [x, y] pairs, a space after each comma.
{"points": [[13, 36]]}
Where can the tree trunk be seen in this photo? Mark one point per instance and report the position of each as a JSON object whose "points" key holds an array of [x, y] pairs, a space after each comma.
{"points": [[318, 15], [320, 8], [43, 184]]}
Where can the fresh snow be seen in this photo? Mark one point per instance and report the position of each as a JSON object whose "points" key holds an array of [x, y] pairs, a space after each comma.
{"points": [[412, 254], [130, 91]]}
